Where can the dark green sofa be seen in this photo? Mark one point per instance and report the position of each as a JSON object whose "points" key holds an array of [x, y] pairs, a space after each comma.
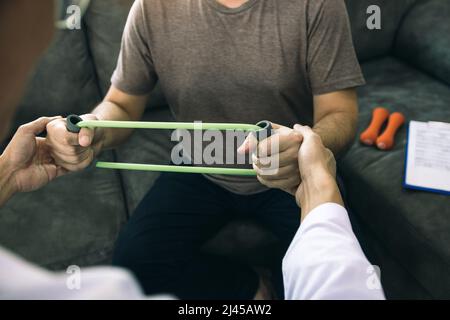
{"points": [[406, 233]]}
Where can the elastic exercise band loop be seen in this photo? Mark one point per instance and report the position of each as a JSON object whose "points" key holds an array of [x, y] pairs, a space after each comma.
{"points": [[263, 130], [167, 125], [177, 169]]}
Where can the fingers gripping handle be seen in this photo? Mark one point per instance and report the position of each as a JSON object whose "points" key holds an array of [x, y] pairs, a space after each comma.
{"points": [[72, 123]]}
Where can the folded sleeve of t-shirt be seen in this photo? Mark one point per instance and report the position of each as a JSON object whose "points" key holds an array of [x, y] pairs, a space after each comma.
{"points": [[331, 59], [135, 72]]}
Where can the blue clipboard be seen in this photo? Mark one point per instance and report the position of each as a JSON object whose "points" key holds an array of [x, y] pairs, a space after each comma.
{"points": [[413, 187]]}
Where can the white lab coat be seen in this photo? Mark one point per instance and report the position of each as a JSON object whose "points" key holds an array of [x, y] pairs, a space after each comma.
{"points": [[325, 260], [22, 280]]}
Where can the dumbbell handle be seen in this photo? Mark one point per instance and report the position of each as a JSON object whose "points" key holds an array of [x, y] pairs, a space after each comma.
{"points": [[379, 117], [387, 140]]}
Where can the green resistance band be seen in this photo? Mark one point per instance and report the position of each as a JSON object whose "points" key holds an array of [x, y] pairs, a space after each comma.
{"points": [[262, 129]]}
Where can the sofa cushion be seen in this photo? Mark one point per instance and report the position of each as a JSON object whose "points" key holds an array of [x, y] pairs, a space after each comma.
{"points": [[63, 82], [413, 225], [73, 220], [397, 282], [370, 44], [424, 38]]}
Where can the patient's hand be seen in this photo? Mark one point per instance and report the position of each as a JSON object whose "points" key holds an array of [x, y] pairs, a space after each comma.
{"points": [[26, 162], [276, 167], [74, 151], [317, 167]]}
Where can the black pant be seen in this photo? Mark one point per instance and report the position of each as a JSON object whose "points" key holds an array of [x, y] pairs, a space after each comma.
{"points": [[161, 242]]}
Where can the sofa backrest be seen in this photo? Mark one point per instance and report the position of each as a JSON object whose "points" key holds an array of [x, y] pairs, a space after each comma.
{"points": [[106, 18], [424, 38], [75, 73], [370, 44], [63, 82], [105, 21]]}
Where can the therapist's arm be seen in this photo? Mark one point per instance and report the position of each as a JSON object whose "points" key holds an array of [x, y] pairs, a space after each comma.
{"points": [[21, 280], [325, 260], [26, 164]]}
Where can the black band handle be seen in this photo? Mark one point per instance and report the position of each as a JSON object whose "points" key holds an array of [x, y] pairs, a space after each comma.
{"points": [[72, 122], [265, 132]]}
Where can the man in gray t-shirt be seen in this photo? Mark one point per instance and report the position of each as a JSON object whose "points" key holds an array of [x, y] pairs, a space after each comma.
{"points": [[287, 61]]}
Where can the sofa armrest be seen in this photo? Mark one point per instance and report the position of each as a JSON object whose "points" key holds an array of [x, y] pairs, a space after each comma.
{"points": [[423, 39]]}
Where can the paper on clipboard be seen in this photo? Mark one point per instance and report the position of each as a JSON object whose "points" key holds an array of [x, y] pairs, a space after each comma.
{"points": [[428, 157]]}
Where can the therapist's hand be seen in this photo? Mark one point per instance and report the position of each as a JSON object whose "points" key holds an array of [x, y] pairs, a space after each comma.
{"points": [[317, 167], [26, 165], [74, 151], [275, 159]]}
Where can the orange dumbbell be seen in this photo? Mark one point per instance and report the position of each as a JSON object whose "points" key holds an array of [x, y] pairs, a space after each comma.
{"points": [[370, 135], [386, 140]]}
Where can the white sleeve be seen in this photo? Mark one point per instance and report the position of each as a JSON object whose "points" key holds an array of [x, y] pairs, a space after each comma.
{"points": [[22, 280], [325, 260]]}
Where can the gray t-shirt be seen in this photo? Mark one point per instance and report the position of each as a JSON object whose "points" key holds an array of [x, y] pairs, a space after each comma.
{"points": [[262, 61]]}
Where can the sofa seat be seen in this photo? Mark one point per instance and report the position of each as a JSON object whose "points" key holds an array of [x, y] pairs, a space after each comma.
{"points": [[413, 226], [70, 221]]}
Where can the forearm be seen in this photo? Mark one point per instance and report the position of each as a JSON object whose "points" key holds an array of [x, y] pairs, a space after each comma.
{"points": [[317, 190], [337, 130], [110, 111], [7, 189]]}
